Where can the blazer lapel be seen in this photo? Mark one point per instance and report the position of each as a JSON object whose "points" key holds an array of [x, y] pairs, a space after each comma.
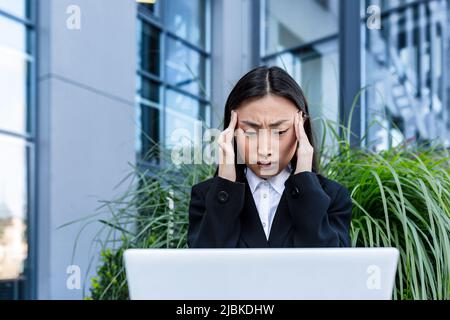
{"points": [[281, 223], [251, 228]]}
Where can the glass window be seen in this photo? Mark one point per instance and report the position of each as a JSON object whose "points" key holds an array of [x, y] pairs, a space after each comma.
{"points": [[14, 92], [388, 4], [187, 20], [290, 23], [185, 68], [149, 90], [404, 63], [149, 48], [149, 118], [173, 72], [385, 5], [149, 132], [18, 8], [185, 104], [17, 83], [13, 36], [13, 207], [183, 112], [181, 124]]}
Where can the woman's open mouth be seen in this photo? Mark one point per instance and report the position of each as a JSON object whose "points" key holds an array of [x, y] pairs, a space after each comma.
{"points": [[264, 164]]}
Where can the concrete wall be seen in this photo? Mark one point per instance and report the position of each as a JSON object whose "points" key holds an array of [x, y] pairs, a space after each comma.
{"points": [[86, 127]]}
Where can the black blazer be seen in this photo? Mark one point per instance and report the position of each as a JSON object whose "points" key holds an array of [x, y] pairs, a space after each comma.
{"points": [[314, 211]]}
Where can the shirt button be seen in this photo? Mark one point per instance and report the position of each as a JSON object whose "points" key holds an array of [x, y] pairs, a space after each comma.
{"points": [[264, 195], [264, 224], [295, 192], [223, 196]]}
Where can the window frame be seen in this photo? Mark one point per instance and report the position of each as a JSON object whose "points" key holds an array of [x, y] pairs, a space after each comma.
{"points": [[158, 21], [386, 13], [25, 286]]}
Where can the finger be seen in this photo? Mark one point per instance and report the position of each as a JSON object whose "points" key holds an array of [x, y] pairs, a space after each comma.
{"points": [[226, 156], [228, 135], [239, 132], [303, 136], [224, 147], [233, 120], [297, 133], [220, 138], [221, 149], [222, 153]]}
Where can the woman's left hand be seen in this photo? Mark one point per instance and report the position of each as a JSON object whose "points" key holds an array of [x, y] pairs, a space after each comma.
{"points": [[305, 150]]}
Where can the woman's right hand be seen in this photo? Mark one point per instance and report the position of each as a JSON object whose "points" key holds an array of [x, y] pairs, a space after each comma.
{"points": [[227, 168]]}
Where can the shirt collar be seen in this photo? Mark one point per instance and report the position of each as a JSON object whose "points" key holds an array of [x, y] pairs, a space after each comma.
{"points": [[277, 182]]}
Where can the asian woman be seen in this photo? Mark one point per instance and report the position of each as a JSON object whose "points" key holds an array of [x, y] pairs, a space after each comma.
{"points": [[267, 191]]}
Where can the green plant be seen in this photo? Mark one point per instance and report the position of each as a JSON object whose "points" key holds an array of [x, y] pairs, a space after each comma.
{"points": [[401, 199]]}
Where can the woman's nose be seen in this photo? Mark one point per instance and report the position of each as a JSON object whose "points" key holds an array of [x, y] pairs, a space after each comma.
{"points": [[264, 144]]}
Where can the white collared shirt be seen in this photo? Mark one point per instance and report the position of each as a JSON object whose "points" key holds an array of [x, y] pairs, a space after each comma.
{"points": [[267, 194]]}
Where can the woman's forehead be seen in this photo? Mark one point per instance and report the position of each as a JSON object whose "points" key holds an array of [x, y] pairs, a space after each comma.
{"points": [[267, 115], [274, 106]]}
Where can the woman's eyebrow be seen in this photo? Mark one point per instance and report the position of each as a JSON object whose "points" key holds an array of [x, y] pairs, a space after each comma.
{"points": [[258, 125], [251, 123], [277, 123]]}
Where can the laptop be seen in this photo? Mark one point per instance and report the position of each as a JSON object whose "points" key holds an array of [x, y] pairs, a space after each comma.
{"points": [[261, 274]]}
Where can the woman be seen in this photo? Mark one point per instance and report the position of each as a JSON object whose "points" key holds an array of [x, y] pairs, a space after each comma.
{"points": [[275, 197]]}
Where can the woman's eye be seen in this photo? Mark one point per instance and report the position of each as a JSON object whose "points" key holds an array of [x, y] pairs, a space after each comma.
{"points": [[279, 132]]}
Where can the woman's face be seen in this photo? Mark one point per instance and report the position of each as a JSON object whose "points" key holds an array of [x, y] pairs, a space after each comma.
{"points": [[265, 134]]}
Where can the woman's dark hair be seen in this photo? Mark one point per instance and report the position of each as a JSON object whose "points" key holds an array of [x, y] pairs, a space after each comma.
{"points": [[259, 83]]}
